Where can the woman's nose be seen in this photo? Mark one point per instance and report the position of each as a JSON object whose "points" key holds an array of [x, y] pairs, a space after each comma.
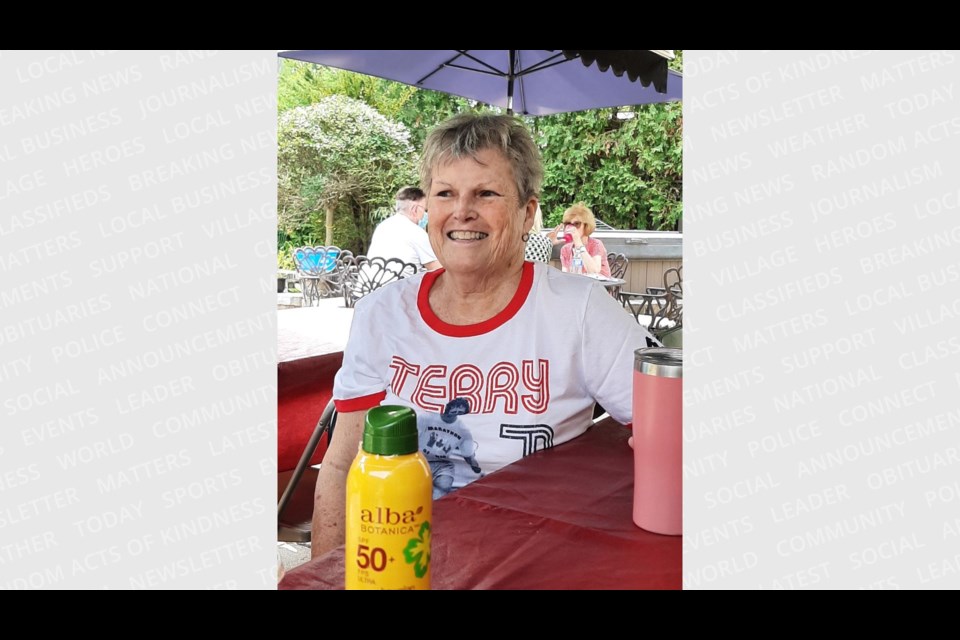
{"points": [[465, 208]]}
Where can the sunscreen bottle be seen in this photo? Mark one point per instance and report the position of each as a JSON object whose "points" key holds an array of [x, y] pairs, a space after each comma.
{"points": [[389, 500]]}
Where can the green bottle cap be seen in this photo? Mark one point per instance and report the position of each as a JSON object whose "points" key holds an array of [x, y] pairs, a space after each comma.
{"points": [[390, 431]]}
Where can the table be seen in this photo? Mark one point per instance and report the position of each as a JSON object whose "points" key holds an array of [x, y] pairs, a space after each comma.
{"points": [[607, 282], [612, 284], [570, 527], [313, 331]]}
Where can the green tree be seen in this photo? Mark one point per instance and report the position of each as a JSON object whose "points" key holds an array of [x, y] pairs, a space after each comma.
{"points": [[629, 171], [302, 84], [339, 164]]}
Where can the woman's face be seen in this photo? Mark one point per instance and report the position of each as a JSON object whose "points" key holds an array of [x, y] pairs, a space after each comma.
{"points": [[575, 225], [476, 218]]}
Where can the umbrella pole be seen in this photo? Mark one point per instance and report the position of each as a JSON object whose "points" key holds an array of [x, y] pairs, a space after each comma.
{"points": [[510, 76]]}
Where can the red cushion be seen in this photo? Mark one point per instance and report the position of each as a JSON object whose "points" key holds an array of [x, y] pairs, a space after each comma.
{"points": [[304, 387]]}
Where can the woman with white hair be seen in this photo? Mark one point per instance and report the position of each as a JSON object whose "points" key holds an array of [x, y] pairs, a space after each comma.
{"points": [[530, 349]]}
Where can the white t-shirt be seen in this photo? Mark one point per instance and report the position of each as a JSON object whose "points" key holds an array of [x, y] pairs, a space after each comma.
{"points": [[529, 375], [400, 237]]}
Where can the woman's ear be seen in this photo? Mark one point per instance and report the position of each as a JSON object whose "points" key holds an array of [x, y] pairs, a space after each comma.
{"points": [[530, 212]]}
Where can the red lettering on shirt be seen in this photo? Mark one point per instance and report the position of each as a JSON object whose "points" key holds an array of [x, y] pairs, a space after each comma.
{"points": [[502, 384], [401, 369], [425, 392], [537, 401], [466, 381], [502, 387]]}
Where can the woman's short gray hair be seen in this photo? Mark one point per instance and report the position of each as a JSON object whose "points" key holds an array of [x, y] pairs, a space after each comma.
{"points": [[467, 134]]}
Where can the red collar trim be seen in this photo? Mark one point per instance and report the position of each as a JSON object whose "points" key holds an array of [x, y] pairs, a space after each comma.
{"points": [[470, 330]]}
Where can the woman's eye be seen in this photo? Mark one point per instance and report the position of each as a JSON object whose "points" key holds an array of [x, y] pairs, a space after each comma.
{"points": [[488, 194], [442, 194]]}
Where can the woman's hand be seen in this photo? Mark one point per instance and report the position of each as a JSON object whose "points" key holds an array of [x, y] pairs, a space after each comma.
{"points": [[553, 235], [577, 236]]}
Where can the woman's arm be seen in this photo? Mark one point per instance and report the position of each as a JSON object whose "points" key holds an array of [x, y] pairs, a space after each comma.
{"points": [[330, 496], [595, 258], [592, 262]]}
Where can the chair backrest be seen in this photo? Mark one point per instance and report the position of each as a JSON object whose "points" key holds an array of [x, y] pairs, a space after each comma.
{"points": [[670, 315], [334, 278], [316, 261], [673, 280], [618, 264], [363, 275]]}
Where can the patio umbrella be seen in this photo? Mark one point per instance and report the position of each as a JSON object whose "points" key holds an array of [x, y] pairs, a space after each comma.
{"points": [[529, 81]]}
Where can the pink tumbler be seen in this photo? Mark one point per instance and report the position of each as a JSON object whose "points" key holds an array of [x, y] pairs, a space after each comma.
{"points": [[657, 440]]}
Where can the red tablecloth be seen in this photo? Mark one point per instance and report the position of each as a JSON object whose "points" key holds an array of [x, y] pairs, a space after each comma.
{"points": [[558, 519]]}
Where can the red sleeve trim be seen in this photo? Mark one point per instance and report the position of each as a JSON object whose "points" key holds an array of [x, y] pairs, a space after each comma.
{"points": [[360, 404]]}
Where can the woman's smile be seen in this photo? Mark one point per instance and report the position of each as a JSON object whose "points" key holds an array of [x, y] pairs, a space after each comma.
{"points": [[467, 236]]}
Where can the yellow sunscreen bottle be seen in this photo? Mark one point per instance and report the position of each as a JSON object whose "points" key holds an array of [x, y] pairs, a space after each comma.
{"points": [[389, 500]]}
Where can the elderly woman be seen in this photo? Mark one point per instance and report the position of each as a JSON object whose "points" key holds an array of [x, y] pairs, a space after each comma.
{"points": [[579, 223], [482, 334]]}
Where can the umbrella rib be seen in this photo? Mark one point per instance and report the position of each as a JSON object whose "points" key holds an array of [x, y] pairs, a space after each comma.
{"points": [[498, 74], [492, 68], [449, 63], [442, 65], [544, 64]]}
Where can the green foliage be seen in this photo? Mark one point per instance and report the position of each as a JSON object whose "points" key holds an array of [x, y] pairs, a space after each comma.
{"points": [[677, 63], [629, 172], [285, 253], [302, 84], [425, 109], [342, 155]]}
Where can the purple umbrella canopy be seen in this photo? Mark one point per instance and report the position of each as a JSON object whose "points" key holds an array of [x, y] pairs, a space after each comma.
{"points": [[542, 82]]}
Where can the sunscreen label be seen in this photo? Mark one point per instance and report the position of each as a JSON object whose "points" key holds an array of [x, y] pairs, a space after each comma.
{"points": [[388, 522]]}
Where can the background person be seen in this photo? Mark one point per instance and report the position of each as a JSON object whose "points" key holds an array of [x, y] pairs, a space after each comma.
{"points": [[539, 247], [578, 221], [400, 235]]}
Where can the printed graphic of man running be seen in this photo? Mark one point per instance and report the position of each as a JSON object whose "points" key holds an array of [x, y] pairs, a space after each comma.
{"points": [[442, 436]]}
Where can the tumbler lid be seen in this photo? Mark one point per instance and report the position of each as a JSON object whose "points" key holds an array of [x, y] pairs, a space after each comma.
{"points": [[665, 362]]}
